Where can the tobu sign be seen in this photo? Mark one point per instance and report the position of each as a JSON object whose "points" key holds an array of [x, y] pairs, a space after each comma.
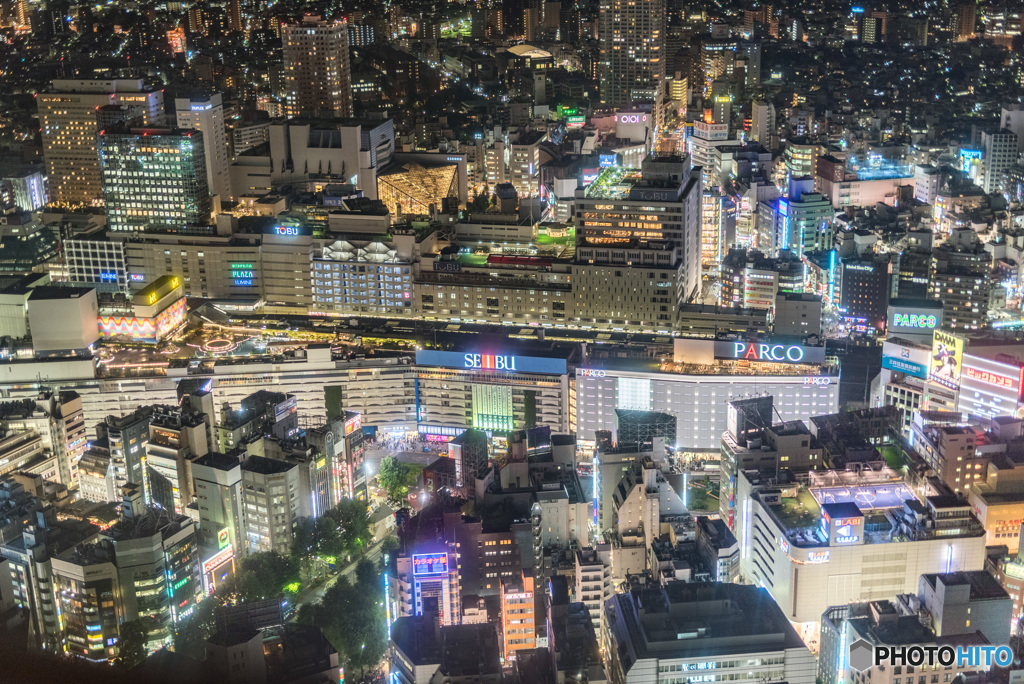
{"points": [[767, 352]]}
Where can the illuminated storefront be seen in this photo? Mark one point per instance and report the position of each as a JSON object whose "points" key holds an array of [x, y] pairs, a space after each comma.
{"points": [[157, 310], [219, 568], [413, 188]]}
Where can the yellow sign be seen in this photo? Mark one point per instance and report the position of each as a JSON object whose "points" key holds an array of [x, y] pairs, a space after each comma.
{"points": [[175, 281], [152, 297]]}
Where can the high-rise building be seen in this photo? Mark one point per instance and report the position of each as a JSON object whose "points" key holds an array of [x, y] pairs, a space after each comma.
{"points": [[961, 279], [217, 480], [632, 50], [518, 617], [68, 123], [762, 123], [270, 490], [154, 180], [127, 436], [149, 561], [638, 252], [205, 113], [753, 640], [801, 222], [1012, 118], [999, 154], [316, 68], [176, 438]]}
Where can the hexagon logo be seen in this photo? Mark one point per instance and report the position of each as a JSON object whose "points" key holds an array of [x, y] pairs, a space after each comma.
{"points": [[862, 655]]}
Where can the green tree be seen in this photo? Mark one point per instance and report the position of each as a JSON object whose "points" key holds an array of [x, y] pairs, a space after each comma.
{"points": [[191, 634], [352, 618], [131, 644], [264, 575], [393, 477]]}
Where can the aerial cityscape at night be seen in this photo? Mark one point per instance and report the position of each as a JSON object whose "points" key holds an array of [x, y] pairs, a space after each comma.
{"points": [[512, 342]]}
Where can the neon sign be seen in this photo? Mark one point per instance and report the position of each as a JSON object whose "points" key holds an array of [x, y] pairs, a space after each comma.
{"points": [[490, 362], [818, 556], [592, 373], [812, 380], [220, 558], [222, 538], [632, 118], [768, 352], [286, 230], [914, 320], [137, 277], [990, 378], [201, 107], [429, 563]]}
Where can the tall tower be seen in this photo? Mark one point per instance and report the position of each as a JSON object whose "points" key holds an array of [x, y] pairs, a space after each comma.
{"points": [[68, 118], [632, 44], [316, 68], [205, 113]]}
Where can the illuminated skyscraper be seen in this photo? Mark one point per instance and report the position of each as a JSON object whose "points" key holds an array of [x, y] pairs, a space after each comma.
{"points": [[316, 68], [154, 180], [632, 43], [205, 113], [68, 122]]}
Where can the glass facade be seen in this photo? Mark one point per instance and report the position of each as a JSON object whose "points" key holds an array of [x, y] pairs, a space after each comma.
{"points": [[414, 188], [155, 180]]}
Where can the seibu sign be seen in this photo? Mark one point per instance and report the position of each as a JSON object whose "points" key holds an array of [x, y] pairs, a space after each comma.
{"points": [[490, 361], [768, 352]]}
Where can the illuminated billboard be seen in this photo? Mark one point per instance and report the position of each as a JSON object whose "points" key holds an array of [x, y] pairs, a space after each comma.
{"points": [[913, 319], [769, 352], [947, 359], [144, 329], [508, 363], [430, 563]]}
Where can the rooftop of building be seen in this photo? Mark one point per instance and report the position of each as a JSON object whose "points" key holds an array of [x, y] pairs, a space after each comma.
{"points": [[217, 461], [458, 650], [891, 510], [58, 292], [233, 636], [983, 585], [149, 523], [266, 466], [697, 620]]}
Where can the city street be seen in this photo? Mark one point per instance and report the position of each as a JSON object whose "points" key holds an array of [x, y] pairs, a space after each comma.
{"points": [[316, 593]]}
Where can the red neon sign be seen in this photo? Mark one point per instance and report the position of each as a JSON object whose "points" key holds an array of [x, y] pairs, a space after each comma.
{"points": [[990, 378]]}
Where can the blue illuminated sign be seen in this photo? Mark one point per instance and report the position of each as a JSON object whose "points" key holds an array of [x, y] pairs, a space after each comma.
{"points": [[491, 362], [429, 563], [108, 276], [606, 160], [287, 231], [903, 366], [243, 282], [137, 277]]}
